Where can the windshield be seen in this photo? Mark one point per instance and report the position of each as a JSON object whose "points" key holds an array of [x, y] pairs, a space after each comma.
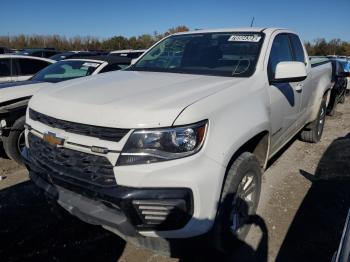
{"points": [[221, 54], [65, 70]]}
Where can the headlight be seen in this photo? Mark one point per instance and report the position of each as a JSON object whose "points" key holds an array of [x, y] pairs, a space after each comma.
{"points": [[154, 145]]}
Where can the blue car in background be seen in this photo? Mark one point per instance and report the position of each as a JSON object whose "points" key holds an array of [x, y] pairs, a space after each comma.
{"points": [[346, 66], [340, 80], [345, 62]]}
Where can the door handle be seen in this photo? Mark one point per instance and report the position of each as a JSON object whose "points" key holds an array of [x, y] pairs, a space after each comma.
{"points": [[299, 87]]}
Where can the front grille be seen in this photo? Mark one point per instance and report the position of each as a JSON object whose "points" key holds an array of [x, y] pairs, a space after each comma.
{"points": [[66, 163], [104, 133]]}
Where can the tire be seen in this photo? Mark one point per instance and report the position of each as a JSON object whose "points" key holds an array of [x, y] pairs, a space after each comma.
{"points": [[332, 106], [15, 141], [230, 226], [331, 111], [313, 132], [342, 99]]}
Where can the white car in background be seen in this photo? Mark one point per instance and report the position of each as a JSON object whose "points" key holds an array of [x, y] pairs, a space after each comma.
{"points": [[19, 68], [130, 53], [15, 96]]}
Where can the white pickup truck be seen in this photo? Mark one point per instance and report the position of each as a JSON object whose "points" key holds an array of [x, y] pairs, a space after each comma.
{"points": [[175, 146]]}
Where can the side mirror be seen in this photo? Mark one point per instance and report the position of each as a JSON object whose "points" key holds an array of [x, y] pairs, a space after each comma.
{"points": [[289, 72]]}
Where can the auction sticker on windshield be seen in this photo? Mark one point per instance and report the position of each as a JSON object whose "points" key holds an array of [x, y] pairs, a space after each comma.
{"points": [[244, 38]]}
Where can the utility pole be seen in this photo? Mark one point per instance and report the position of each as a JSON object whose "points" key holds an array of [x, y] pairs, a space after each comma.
{"points": [[251, 24]]}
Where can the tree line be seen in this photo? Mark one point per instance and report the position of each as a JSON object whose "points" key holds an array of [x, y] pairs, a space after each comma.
{"points": [[317, 47], [86, 43], [321, 47]]}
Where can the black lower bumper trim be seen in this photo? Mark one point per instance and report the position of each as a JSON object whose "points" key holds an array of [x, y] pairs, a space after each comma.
{"points": [[175, 204], [90, 211]]}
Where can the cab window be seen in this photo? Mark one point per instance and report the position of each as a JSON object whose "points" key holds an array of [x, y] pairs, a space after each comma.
{"points": [[280, 52], [299, 55]]}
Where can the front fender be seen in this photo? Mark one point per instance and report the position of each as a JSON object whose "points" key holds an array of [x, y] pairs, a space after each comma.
{"points": [[233, 120]]}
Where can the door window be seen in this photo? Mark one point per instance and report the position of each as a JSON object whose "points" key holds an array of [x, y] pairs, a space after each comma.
{"points": [[280, 52]]}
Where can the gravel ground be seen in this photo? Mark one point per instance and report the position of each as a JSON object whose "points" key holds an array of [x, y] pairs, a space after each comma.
{"points": [[305, 198]]}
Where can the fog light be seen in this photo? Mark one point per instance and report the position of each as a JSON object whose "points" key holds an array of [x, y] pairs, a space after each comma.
{"points": [[170, 213]]}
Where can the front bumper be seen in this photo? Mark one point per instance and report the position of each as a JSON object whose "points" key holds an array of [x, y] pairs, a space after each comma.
{"points": [[198, 178], [126, 209], [97, 213], [129, 210]]}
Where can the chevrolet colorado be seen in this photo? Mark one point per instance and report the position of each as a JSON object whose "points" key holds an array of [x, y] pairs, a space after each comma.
{"points": [[174, 146]]}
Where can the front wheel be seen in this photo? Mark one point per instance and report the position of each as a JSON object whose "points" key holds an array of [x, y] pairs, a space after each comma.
{"points": [[239, 200], [15, 141]]}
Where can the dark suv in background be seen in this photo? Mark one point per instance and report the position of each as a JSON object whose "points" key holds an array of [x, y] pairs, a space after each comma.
{"points": [[4, 50], [39, 52]]}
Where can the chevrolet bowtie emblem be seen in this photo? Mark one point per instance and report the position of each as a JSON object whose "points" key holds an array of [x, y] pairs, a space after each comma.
{"points": [[52, 139]]}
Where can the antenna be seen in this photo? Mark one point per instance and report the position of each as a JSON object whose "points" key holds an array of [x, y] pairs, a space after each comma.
{"points": [[251, 24]]}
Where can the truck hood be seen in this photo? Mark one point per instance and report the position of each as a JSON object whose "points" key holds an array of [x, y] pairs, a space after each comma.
{"points": [[127, 99], [18, 90]]}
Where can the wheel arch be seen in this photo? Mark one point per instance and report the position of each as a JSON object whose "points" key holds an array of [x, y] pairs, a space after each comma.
{"points": [[258, 145]]}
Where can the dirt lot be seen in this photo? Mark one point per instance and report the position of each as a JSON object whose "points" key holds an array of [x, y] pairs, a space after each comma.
{"points": [[305, 197]]}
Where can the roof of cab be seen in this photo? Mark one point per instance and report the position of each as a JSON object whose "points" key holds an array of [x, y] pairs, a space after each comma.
{"points": [[219, 30]]}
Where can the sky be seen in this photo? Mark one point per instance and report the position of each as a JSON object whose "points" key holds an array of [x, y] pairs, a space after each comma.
{"points": [[106, 18]]}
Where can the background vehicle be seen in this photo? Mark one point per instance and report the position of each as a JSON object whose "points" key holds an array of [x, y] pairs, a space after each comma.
{"points": [[339, 78], [14, 96], [4, 50], [346, 65], [39, 52], [130, 53], [345, 61], [98, 52], [174, 146], [19, 68], [72, 54]]}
